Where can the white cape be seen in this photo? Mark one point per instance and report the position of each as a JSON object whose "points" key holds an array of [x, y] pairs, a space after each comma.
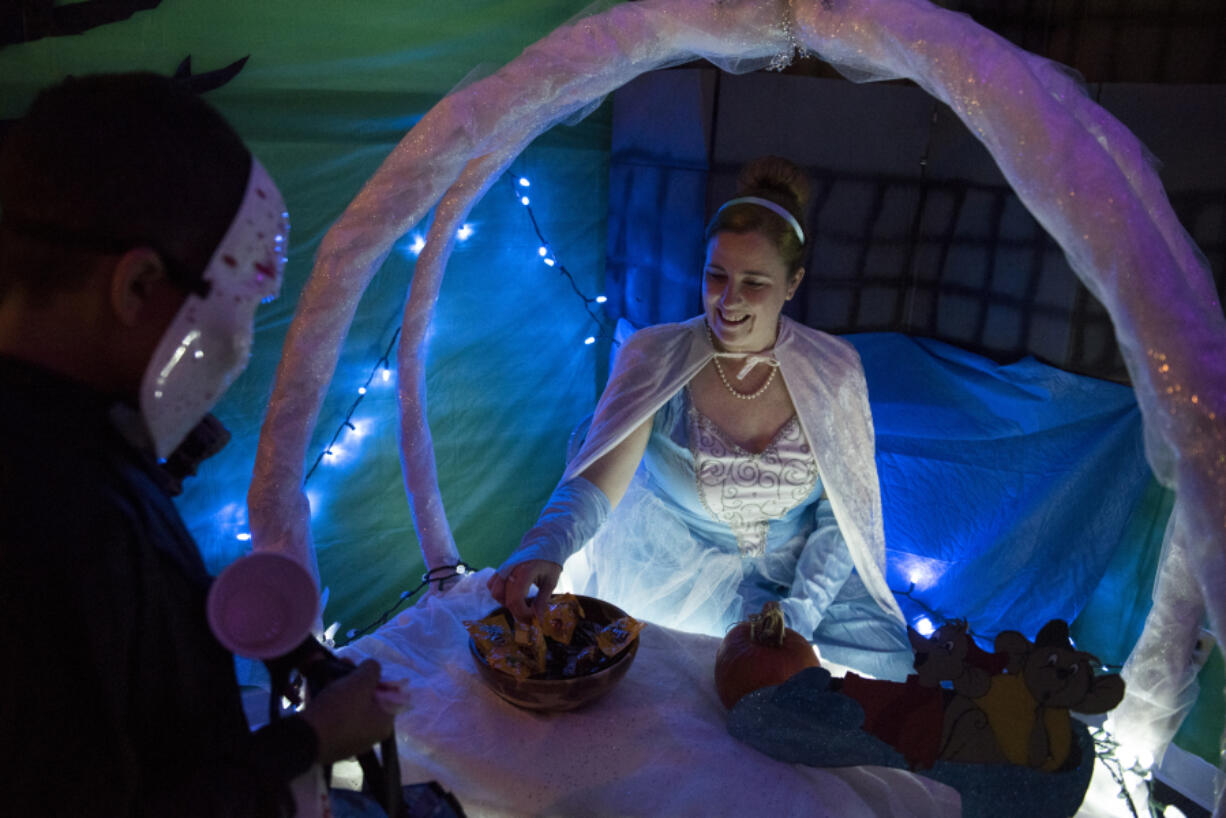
{"points": [[826, 381]]}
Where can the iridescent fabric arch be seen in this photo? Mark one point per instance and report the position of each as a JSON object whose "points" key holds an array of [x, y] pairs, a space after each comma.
{"points": [[1080, 172]]}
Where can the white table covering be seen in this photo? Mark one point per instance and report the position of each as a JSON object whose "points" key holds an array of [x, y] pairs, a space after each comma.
{"points": [[656, 745]]}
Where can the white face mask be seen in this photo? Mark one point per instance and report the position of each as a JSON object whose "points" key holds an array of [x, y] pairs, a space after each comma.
{"points": [[208, 343]]}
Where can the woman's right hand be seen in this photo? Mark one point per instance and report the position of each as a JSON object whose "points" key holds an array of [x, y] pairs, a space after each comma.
{"points": [[512, 590]]}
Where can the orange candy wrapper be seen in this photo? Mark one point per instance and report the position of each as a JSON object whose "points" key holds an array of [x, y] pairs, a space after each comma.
{"points": [[511, 649], [563, 615], [613, 638], [531, 641]]}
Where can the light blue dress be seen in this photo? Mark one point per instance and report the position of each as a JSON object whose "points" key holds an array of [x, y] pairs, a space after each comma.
{"points": [[668, 553]]}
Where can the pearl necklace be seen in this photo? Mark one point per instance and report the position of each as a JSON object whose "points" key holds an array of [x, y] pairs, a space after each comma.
{"points": [[720, 371]]}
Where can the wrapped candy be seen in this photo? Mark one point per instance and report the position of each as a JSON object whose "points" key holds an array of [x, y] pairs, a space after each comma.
{"points": [[564, 646], [613, 638], [505, 647], [563, 615]]}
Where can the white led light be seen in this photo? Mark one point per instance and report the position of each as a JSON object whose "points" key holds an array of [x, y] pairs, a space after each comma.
{"points": [[525, 201], [589, 340], [600, 299], [387, 374], [418, 245], [361, 390], [464, 232], [549, 261], [243, 536], [523, 182], [924, 626], [542, 251]]}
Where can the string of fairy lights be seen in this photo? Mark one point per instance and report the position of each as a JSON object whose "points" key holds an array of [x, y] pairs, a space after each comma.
{"points": [[381, 372], [546, 254]]}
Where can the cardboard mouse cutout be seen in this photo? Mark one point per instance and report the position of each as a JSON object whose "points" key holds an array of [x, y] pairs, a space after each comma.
{"points": [[909, 716], [1023, 716]]}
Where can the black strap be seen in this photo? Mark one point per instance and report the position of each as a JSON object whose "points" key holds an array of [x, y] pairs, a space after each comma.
{"points": [[320, 667]]}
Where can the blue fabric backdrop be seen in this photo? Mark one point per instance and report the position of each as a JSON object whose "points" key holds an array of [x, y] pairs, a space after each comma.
{"points": [[1005, 488]]}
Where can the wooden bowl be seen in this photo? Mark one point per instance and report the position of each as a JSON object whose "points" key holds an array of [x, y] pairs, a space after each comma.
{"points": [[555, 695]]}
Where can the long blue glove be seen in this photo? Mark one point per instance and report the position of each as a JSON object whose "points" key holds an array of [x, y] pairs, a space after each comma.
{"points": [[575, 512], [821, 572]]}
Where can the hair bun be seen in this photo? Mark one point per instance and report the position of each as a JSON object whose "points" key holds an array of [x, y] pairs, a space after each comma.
{"points": [[778, 176]]}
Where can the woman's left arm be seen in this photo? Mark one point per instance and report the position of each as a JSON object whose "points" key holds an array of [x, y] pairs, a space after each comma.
{"points": [[823, 567]]}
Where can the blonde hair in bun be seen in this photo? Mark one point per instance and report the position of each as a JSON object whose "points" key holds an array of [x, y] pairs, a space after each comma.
{"points": [[777, 180]]}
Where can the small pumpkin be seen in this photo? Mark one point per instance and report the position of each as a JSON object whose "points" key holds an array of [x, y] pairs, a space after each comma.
{"points": [[760, 652]]}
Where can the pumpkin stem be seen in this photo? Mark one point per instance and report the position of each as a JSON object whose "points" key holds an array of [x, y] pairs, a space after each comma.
{"points": [[767, 627]]}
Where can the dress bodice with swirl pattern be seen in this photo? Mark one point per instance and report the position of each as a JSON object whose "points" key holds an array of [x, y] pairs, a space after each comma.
{"points": [[746, 490], [676, 463]]}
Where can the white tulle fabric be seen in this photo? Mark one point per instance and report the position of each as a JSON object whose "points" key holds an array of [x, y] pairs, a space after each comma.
{"points": [[1077, 169]]}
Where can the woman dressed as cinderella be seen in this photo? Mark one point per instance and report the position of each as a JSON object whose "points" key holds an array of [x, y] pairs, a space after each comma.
{"points": [[730, 461]]}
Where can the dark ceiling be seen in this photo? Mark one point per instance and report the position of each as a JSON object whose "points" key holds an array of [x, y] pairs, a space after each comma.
{"points": [[1154, 41], [1147, 41]]}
